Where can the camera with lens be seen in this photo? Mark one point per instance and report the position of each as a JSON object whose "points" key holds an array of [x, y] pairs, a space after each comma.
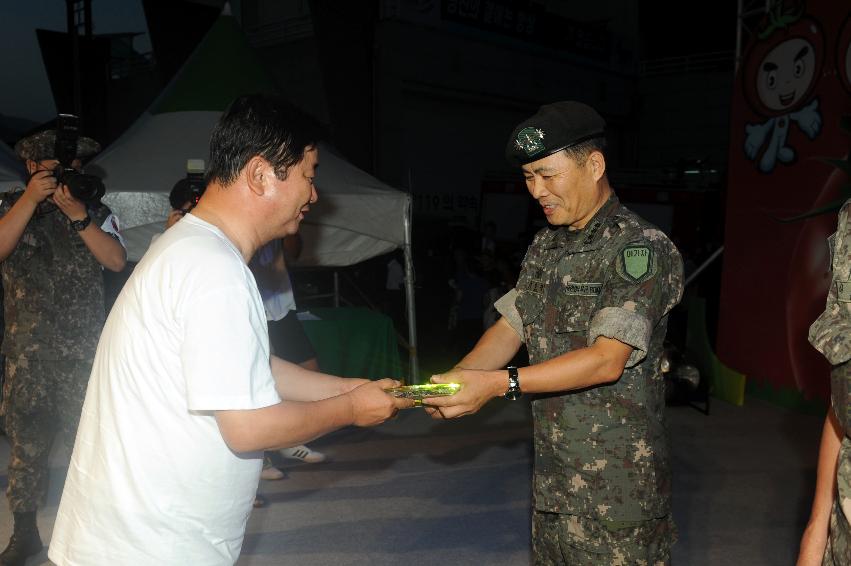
{"points": [[86, 188]]}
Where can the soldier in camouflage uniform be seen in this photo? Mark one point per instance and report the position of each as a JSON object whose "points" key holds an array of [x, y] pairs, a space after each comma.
{"points": [[591, 306], [52, 247], [827, 538]]}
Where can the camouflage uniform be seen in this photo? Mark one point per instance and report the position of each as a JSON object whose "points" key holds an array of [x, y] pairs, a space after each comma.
{"points": [[53, 299], [830, 334], [601, 455]]}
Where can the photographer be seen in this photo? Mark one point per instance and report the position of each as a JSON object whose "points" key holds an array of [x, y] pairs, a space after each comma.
{"points": [[185, 194], [52, 247]]}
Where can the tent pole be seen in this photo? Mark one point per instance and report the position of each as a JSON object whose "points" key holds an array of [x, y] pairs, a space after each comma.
{"points": [[414, 375]]}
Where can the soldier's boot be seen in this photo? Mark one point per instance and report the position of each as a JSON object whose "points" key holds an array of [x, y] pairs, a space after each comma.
{"points": [[24, 543]]}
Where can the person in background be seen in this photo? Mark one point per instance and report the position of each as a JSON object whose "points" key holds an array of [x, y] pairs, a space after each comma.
{"points": [[591, 307], [827, 538], [489, 238], [467, 309], [286, 335], [394, 292], [54, 247], [183, 197]]}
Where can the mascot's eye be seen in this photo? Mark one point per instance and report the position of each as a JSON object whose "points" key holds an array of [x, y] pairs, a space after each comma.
{"points": [[771, 79], [799, 68]]}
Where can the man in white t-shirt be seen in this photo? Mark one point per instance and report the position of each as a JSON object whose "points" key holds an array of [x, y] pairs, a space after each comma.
{"points": [[184, 395]]}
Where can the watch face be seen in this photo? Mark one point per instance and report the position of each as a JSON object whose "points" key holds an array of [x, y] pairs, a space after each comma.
{"points": [[80, 225], [514, 391], [513, 395]]}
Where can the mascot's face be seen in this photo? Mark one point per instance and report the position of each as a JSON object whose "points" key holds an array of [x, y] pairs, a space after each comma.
{"points": [[782, 68], [786, 74]]}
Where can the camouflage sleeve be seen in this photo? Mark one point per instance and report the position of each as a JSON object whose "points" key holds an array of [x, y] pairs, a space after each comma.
{"points": [[99, 213], [505, 306], [645, 282], [830, 334]]}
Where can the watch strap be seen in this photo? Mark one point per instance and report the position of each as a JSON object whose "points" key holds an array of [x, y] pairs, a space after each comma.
{"points": [[513, 393], [80, 225]]}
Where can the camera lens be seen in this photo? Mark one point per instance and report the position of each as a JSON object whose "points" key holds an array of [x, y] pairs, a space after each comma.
{"points": [[86, 188]]}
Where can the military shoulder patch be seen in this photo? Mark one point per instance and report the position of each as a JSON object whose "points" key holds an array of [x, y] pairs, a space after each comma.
{"points": [[636, 262], [843, 291]]}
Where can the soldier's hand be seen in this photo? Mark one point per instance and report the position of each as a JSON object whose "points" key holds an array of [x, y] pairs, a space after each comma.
{"points": [[349, 383], [70, 206], [371, 405], [477, 388], [41, 185], [813, 545]]}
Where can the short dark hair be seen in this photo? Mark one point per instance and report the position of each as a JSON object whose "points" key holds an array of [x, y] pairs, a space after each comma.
{"points": [[259, 124], [580, 152], [184, 191]]}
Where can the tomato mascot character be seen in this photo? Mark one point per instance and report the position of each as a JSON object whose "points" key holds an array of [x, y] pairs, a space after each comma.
{"points": [[781, 70]]}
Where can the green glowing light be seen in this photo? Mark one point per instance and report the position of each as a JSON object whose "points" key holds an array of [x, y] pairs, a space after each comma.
{"points": [[425, 390]]}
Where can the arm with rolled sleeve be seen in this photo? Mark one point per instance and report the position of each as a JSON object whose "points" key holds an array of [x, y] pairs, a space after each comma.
{"points": [[599, 363], [632, 309], [830, 334], [99, 238], [619, 337]]}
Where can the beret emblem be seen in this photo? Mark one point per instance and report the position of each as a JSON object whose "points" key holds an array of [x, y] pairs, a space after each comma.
{"points": [[530, 140]]}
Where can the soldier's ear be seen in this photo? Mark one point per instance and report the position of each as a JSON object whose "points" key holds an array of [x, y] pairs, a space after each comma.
{"points": [[597, 162]]}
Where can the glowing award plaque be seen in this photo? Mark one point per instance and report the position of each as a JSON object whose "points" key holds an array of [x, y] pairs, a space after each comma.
{"points": [[425, 390]]}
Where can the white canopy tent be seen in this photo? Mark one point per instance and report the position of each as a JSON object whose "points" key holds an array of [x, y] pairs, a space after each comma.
{"points": [[357, 216]]}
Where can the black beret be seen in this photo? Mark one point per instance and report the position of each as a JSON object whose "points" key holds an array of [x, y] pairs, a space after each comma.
{"points": [[553, 128]]}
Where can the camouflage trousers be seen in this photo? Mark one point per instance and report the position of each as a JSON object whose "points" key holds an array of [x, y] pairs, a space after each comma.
{"points": [[570, 540], [40, 398], [838, 551]]}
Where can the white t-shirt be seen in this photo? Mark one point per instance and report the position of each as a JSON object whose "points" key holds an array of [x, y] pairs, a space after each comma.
{"points": [[151, 480]]}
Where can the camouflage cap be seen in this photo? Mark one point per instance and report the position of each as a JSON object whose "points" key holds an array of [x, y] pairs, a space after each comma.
{"points": [[554, 127], [42, 145]]}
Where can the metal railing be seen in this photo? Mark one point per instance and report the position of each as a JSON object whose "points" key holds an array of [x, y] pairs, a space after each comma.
{"points": [[700, 62], [281, 31]]}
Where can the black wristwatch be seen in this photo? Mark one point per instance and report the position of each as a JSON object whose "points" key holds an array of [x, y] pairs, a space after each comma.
{"points": [[80, 225], [514, 391]]}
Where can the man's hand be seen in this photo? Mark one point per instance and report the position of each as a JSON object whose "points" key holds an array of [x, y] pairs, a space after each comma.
{"points": [[349, 383], [371, 405], [41, 185], [173, 217], [813, 545], [477, 388], [70, 206]]}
